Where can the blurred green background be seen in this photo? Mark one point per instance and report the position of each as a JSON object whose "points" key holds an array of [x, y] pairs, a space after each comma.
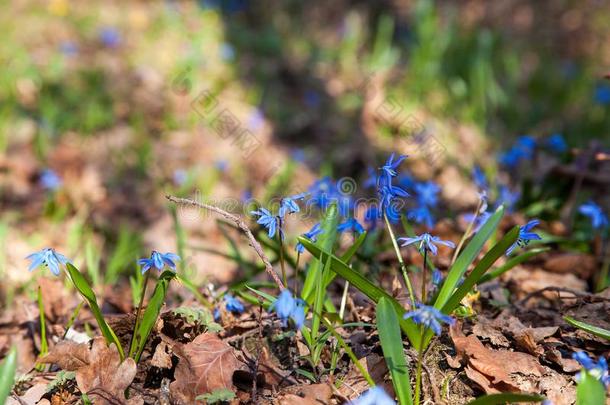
{"points": [[109, 96]]}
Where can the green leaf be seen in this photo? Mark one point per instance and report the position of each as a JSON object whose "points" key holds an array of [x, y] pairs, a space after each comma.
{"points": [[326, 240], [366, 287], [153, 309], [7, 374], [595, 330], [466, 258], [391, 344], [86, 291], [512, 262], [484, 264], [590, 391], [505, 398], [216, 396]]}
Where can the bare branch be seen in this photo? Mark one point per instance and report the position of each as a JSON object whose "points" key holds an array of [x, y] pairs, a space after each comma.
{"points": [[241, 224]]}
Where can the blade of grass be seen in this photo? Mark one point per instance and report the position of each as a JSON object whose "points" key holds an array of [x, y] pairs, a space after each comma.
{"points": [[595, 330], [87, 293], [590, 391], [44, 345], [391, 344], [7, 374], [505, 398], [151, 314], [467, 257]]}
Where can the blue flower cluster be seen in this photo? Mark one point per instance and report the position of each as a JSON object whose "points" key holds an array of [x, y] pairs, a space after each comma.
{"points": [[233, 304], [387, 192], [374, 396], [50, 180], [525, 147], [312, 235], [286, 306]]}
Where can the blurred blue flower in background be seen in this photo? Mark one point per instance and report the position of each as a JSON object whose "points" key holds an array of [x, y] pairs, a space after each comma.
{"points": [[233, 304], [556, 143], [110, 37], [49, 180], [507, 198], [372, 217], [180, 177], [480, 180], [599, 220], [388, 170], [159, 261], [430, 317], [602, 94], [68, 48], [421, 215], [350, 225], [427, 193], [50, 258], [227, 52]]}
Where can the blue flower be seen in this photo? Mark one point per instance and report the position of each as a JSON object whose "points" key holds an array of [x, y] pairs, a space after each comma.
{"points": [[437, 277], [289, 204], [221, 165], [49, 180], [430, 317], [507, 198], [556, 143], [68, 48], [599, 220], [427, 242], [227, 52], [322, 192], [387, 196], [312, 235], [525, 236], [180, 177], [388, 170], [522, 150], [602, 94], [597, 370], [110, 37], [159, 261], [233, 304], [427, 193], [527, 145], [350, 225], [421, 215], [479, 178], [374, 396], [371, 179], [510, 158], [216, 314], [269, 221], [50, 258], [312, 98], [479, 221], [287, 307], [372, 216]]}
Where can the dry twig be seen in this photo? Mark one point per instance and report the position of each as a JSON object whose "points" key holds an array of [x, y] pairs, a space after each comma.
{"points": [[241, 224]]}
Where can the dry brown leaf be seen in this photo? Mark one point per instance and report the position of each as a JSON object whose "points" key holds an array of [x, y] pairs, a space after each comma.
{"points": [[99, 370], [484, 329], [582, 264], [106, 375], [68, 355], [206, 364], [161, 358]]}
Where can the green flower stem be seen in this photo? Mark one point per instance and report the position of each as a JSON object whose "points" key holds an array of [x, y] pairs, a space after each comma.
{"points": [[139, 311], [403, 268], [420, 359], [467, 233]]}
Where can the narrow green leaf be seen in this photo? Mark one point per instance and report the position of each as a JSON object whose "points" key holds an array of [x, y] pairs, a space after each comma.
{"points": [[326, 240], [467, 256], [345, 257], [391, 344], [7, 374], [506, 398], [484, 264], [86, 291], [366, 287], [595, 330], [44, 345], [512, 262], [319, 296], [590, 391], [151, 314]]}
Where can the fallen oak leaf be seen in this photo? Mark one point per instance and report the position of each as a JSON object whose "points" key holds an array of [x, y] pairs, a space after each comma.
{"points": [[206, 364], [99, 370]]}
